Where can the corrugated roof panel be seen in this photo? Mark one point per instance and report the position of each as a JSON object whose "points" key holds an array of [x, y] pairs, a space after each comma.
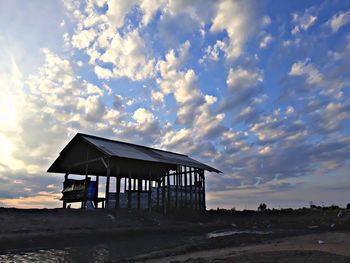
{"points": [[133, 151], [119, 149]]}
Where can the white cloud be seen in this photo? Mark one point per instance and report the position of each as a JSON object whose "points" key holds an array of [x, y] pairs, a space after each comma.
{"points": [[338, 20], [302, 21], [266, 20], [306, 68], [290, 110], [83, 39], [117, 10], [242, 78], [128, 54], [265, 41], [103, 73], [142, 116], [157, 97], [235, 17]]}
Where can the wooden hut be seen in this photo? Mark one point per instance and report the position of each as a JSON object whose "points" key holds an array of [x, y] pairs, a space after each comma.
{"points": [[145, 177]]}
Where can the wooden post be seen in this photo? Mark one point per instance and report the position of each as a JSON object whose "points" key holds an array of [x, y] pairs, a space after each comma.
{"points": [[149, 192], [117, 198], [199, 191], [158, 193], [169, 193], [185, 174], [181, 190], [83, 203], [195, 190], [97, 183], [177, 187], [203, 191], [163, 196], [191, 189], [107, 184], [139, 188], [129, 191]]}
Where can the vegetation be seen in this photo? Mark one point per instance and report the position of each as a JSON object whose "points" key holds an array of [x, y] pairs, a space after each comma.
{"points": [[262, 207]]}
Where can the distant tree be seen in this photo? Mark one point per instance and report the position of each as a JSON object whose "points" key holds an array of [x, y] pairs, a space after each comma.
{"points": [[348, 206], [262, 207]]}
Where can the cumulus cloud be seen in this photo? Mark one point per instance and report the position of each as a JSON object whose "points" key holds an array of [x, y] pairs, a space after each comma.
{"points": [[234, 17], [338, 20], [305, 68], [265, 41], [242, 78], [129, 57], [302, 21]]}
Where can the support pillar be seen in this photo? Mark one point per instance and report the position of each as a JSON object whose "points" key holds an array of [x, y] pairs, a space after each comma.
{"points": [[139, 188], [158, 193], [191, 189], [185, 174], [149, 193], [129, 191], [163, 196], [117, 198], [203, 192], [169, 193], [195, 191], [107, 184]]}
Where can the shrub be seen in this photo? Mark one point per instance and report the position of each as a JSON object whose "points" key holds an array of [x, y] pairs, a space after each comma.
{"points": [[348, 206], [262, 207]]}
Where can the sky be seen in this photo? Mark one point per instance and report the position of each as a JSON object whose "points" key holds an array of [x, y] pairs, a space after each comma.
{"points": [[257, 89]]}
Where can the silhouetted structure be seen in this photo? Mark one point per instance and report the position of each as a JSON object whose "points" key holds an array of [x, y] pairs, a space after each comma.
{"points": [[145, 177]]}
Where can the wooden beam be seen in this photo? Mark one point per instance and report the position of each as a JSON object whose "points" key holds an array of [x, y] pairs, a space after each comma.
{"points": [[104, 162], [88, 161]]}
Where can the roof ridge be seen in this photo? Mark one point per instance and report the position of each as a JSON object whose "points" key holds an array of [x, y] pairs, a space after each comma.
{"points": [[128, 143]]}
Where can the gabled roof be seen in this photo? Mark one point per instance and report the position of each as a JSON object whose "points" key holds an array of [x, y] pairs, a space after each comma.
{"points": [[113, 148]]}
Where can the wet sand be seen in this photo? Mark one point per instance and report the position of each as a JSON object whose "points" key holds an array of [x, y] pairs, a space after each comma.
{"points": [[141, 236], [304, 248]]}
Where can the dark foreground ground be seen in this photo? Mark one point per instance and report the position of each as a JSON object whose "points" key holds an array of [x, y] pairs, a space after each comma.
{"points": [[139, 236]]}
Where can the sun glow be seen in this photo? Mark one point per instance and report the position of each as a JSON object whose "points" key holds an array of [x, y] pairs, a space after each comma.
{"points": [[7, 113]]}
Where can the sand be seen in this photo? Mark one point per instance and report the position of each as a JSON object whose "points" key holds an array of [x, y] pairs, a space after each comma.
{"points": [[270, 236], [304, 248]]}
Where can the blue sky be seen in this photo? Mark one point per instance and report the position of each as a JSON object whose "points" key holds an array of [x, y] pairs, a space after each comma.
{"points": [[258, 89]]}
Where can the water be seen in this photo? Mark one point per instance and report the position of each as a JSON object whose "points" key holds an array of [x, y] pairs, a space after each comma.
{"points": [[236, 232], [113, 249], [104, 251], [99, 253]]}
